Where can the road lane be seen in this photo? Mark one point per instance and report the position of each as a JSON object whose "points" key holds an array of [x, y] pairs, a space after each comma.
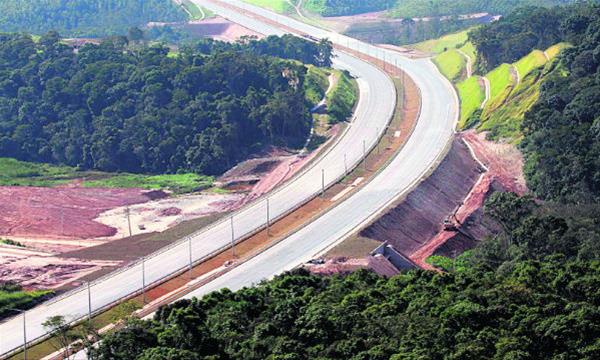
{"points": [[433, 132], [375, 108]]}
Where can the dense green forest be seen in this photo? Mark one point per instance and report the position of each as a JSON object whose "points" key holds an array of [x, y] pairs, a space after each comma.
{"points": [[346, 7], [115, 108], [529, 293], [85, 17], [562, 131], [514, 36], [420, 8]]}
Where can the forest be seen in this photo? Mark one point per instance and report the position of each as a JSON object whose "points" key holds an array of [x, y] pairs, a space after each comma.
{"points": [[420, 8], [532, 292], [562, 131], [346, 7], [85, 18], [113, 107]]}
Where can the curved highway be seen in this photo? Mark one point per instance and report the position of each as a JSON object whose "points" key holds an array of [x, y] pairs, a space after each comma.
{"points": [[433, 132], [375, 108]]}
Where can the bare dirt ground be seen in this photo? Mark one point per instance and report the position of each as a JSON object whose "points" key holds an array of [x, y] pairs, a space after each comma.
{"points": [[62, 212], [418, 218], [36, 269], [219, 28], [504, 173]]}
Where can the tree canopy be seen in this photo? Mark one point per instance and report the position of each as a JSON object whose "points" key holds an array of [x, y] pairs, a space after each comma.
{"points": [[534, 297], [116, 108], [85, 17], [562, 131]]}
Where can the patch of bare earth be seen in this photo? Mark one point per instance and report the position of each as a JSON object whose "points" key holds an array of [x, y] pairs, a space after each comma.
{"points": [[443, 215], [219, 28]]}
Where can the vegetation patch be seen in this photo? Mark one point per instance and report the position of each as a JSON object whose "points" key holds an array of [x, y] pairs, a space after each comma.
{"points": [[442, 44], [119, 108], [316, 84], [342, 99], [279, 6], [451, 64], [85, 18], [471, 95], [535, 59], [12, 296], [178, 183], [501, 80], [194, 11]]}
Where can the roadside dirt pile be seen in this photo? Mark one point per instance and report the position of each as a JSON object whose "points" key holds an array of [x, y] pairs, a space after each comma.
{"points": [[410, 225], [62, 212]]}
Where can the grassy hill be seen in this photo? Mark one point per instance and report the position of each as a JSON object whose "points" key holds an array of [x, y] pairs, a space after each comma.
{"points": [[514, 88]]}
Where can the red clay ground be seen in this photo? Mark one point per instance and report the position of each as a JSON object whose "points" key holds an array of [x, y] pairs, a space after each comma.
{"points": [[220, 29], [62, 212], [505, 173]]}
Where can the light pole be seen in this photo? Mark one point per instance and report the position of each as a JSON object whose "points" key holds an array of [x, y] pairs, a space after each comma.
{"points": [[364, 155], [232, 238], [345, 166], [89, 290], [190, 255], [268, 219], [322, 183], [24, 331], [144, 280]]}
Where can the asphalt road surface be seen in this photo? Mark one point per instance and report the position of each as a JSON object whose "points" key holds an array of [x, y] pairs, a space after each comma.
{"points": [[376, 105], [432, 133]]}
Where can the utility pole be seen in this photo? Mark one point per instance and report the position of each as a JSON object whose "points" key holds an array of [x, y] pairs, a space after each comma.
{"points": [[127, 212], [268, 219], [89, 291], [24, 331], [377, 137], [345, 166], [232, 238], [144, 280], [62, 221], [364, 155], [190, 255], [322, 183]]}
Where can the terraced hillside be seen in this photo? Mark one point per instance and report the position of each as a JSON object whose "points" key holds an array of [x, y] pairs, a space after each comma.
{"points": [[497, 101]]}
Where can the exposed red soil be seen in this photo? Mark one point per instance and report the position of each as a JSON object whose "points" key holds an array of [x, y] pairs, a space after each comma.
{"points": [[172, 211], [504, 173], [418, 218], [220, 29], [62, 212]]}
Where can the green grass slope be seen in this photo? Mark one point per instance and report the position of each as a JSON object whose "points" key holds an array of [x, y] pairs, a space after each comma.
{"points": [[343, 97], [500, 81], [532, 61], [439, 45], [471, 95], [21, 173], [316, 84], [279, 6], [452, 64], [504, 122]]}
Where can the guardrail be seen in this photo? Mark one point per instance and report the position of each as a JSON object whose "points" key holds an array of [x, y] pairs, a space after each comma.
{"points": [[197, 235]]}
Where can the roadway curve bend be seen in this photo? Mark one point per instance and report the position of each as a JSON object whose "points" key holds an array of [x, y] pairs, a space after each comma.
{"points": [[375, 109], [426, 146]]}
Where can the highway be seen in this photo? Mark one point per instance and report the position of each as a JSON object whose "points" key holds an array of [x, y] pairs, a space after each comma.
{"points": [[375, 108], [434, 130]]}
